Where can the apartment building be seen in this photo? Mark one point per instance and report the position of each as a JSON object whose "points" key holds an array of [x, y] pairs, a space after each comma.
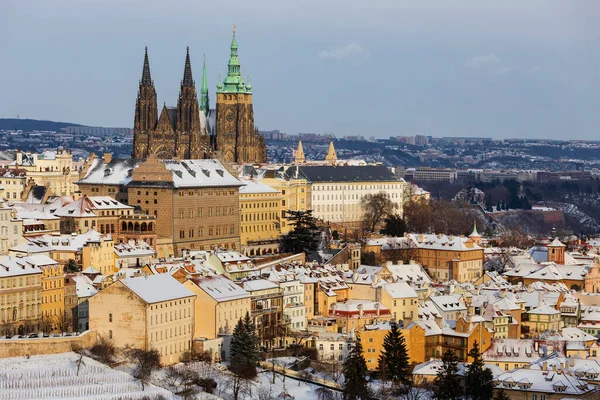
{"points": [[154, 311], [219, 304], [20, 295]]}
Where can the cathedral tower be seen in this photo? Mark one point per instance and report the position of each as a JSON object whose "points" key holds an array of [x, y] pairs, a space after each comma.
{"points": [[190, 143], [146, 112], [237, 140]]}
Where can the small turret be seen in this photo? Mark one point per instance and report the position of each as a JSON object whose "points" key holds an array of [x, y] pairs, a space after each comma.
{"points": [[299, 159], [331, 154], [475, 236]]}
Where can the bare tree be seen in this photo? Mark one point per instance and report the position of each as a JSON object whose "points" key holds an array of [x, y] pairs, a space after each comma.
{"points": [[241, 388], [103, 351], [185, 379], [64, 322], [75, 348], [45, 324], [400, 249], [325, 394], [264, 393], [5, 328], [146, 361], [417, 215], [376, 207]]}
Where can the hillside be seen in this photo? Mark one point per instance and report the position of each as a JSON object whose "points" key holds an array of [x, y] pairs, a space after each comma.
{"points": [[28, 125]]}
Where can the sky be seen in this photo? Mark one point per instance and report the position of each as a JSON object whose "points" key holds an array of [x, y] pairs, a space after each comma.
{"points": [[503, 69]]}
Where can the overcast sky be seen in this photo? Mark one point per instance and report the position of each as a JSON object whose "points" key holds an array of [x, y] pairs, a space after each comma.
{"points": [[523, 68]]}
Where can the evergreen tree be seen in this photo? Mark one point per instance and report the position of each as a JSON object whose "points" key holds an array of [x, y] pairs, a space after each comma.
{"points": [[355, 374], [478, 378], [243, 349], [306, 234], [393, 361], [447, 383], [501, 395], [394, 226]]}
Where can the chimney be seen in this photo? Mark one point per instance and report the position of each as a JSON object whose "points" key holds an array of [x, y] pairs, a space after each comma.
{"points": [[377, 306], [19, 157], [571, 361], [360, 310], [545, 366], [107, 157]]}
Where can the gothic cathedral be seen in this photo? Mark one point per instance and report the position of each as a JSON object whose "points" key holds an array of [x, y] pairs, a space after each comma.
{"points": [[192, 130]]}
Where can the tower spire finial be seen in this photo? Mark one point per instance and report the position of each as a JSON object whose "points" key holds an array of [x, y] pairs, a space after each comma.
{"points": [[187, 72], [204, 106], [146, 78]]}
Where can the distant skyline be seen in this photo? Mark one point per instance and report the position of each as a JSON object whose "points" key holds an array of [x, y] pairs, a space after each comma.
{"points": [[504, 69]]}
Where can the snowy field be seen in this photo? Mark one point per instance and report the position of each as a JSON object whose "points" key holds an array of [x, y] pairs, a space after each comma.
{"points": [[55, 377]]}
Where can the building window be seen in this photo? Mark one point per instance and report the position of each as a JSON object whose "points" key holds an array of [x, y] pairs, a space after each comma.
{"points": [[110, 317]]}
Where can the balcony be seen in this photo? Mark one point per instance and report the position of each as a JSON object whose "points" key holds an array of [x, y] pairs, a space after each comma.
{"points": [[264, 311]]}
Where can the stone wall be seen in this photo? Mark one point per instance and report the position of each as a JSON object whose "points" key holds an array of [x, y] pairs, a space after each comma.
{"points": [[51, 345]]}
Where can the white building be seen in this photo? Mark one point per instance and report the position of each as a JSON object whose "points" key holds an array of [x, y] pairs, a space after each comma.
{"points": [[337, 191]]}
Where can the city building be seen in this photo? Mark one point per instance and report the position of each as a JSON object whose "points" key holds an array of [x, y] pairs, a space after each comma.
{"points": [[20, 296], [372, 340], [337, 191], [266, 311], [260, 218], [11, 228], [154, 311], [195, 202], [100, 213], [219, 305]]}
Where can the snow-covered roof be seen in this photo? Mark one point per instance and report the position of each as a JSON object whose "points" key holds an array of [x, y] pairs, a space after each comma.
{"points": [[157, 288], [540, 381], [84, 286], [400, 290], [200, 173], [544, 309], [443, 242], [11, 266], [432, 367], [448, 303], [133, 249], [252, 186], [412, 272], [259, 284], [88, 206], [117, 172], [221, 288]]}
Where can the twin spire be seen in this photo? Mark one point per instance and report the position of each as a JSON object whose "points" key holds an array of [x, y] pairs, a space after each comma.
{"points": [[187, 81], [232, 83]]}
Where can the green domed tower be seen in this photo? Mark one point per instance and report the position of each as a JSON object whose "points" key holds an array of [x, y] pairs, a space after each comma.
{"points": [[237, 141]]}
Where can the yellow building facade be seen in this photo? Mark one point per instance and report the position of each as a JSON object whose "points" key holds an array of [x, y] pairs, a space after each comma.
{"points": [[372, 340], [295, 196], [100, 255], [260, 220], [219, 305], [20, 296], [53, 290]]}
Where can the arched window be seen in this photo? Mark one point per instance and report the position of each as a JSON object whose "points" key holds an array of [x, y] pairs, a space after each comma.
{"points": [[144, 227]]}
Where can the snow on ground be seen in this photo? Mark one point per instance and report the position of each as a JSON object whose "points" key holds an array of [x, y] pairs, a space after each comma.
{"points": [[55, 377]]}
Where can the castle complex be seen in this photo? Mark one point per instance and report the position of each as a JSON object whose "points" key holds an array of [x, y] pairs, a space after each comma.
{"points": [[192, 130]]}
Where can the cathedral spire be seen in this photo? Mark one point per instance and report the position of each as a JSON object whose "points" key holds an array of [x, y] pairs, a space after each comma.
{"points": [[204, 106], [187, 72], [146, 79]]}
